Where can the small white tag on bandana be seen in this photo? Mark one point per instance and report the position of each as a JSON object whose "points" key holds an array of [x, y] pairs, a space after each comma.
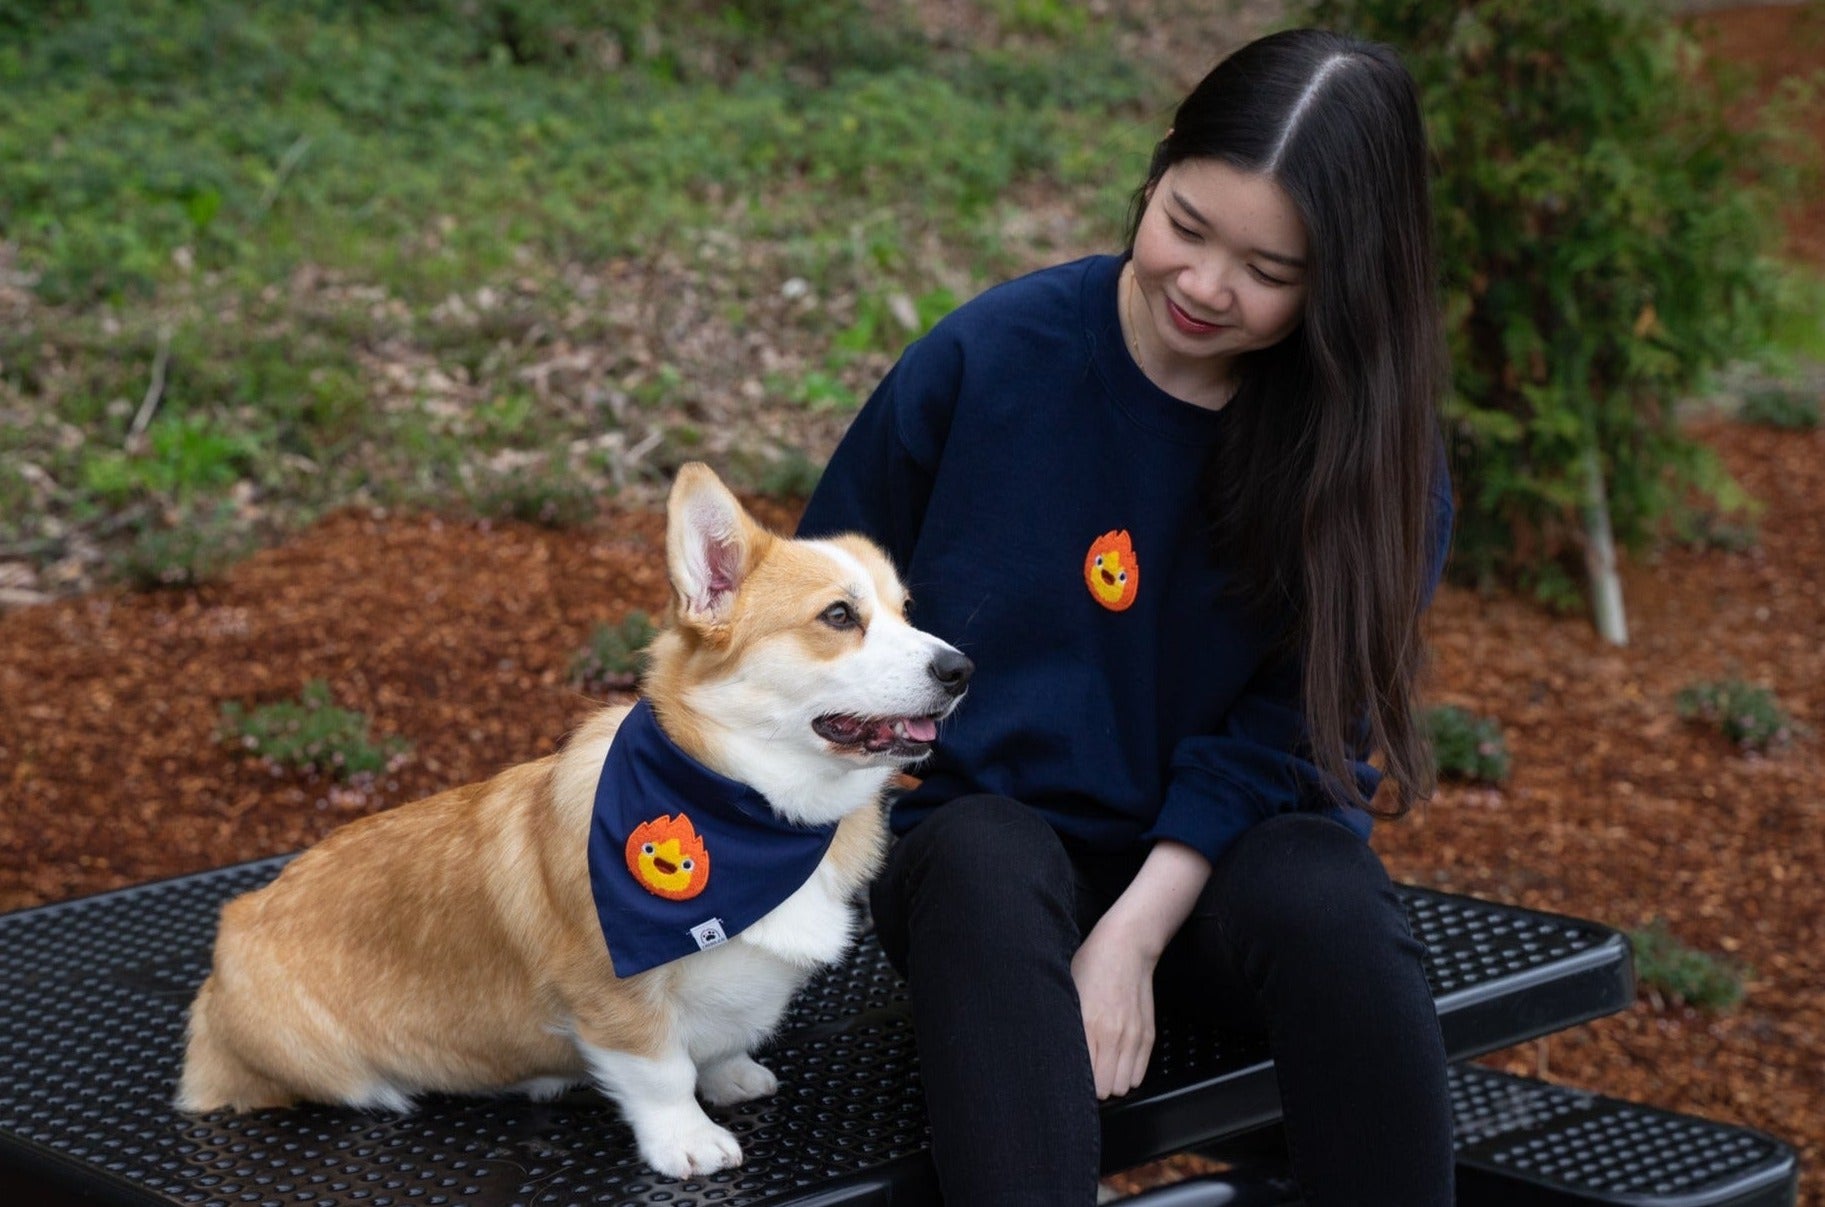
{"points": [[709, 934]]}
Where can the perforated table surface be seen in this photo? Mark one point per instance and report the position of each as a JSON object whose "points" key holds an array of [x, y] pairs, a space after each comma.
{"points": [[93, 996]]}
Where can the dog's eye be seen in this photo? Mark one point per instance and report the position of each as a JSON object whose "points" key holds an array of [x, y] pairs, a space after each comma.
{"points": [[839, 616]]}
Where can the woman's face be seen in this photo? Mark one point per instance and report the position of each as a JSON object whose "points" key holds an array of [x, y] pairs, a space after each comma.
{"points": [[1219, 261]]}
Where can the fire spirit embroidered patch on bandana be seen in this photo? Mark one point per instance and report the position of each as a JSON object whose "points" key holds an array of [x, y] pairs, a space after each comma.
{"points": [[661, 821], [668, 859]]}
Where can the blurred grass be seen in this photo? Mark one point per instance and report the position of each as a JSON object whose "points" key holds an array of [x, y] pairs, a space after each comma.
{"points": [[289, 198]]}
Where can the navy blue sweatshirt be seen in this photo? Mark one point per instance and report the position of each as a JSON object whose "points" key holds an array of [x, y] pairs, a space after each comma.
{"points": [[1120, 689]]}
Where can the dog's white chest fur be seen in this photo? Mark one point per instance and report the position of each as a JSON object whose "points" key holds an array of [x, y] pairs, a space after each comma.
{"points": [[733, 995], [812, 927]]}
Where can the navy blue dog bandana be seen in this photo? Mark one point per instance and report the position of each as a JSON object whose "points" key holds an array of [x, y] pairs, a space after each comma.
{"points": [[682, 858]]}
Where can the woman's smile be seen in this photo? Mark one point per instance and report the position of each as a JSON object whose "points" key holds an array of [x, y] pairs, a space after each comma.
{"points": [[1189, 325]]}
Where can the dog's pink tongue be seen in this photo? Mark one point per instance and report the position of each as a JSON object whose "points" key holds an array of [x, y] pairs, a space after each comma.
{"points": [[921, 729]]}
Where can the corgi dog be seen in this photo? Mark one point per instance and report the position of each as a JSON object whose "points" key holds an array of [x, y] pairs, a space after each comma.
{"points": [[493, 937]]}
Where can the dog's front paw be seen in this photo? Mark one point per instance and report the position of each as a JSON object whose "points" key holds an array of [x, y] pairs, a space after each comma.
{"points": [[737, 1079], [691, 1150]]}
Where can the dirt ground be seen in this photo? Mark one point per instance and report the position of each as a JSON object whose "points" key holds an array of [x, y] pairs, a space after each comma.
{"points": [[457, 636]]}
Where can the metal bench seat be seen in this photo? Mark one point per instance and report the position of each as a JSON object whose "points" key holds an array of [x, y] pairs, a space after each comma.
{"points": [[1525, 1143], [93, 995]]}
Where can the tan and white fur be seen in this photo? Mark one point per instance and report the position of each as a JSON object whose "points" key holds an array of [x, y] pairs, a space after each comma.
{"points": [[451, 945]]}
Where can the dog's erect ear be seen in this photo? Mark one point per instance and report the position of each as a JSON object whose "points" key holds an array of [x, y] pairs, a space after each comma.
{"points": [[710, 545]]}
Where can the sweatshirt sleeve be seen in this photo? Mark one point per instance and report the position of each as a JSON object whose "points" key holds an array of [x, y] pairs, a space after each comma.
{"points": [[879, 480], [1221, 784], [1258, 764]]}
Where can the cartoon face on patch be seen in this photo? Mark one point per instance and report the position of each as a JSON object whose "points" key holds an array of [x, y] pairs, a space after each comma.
{"points": [[1112, 571], [668, 858]]}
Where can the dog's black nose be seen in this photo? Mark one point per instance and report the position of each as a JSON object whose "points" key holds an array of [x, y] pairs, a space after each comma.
{"points": [[952, 671]]}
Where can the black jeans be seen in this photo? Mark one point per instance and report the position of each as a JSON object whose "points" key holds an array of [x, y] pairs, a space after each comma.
{"points": [[1298, 934]]}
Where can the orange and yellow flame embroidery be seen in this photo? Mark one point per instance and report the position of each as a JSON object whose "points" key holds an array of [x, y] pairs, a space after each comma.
{"points": [[1112, 571], [668, 858]]}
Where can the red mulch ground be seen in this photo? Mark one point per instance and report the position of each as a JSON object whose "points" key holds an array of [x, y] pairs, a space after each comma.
{"points": [[458, 635]]}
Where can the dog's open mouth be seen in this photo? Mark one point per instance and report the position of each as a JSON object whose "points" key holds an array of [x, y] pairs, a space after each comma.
{"points": [[904, 737]]}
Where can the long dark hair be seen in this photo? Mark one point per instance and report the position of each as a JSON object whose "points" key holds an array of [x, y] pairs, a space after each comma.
{"points": [[1322, 486]]}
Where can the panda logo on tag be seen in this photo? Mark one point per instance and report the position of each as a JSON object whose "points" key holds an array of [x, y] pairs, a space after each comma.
{"points": [[709, 934]]}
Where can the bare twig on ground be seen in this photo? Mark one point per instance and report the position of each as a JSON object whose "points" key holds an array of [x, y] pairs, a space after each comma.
{"points": [[155, 392]]}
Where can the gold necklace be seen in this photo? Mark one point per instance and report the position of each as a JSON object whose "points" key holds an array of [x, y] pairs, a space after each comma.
{"points": [[1224, 392], [1134, 328]]}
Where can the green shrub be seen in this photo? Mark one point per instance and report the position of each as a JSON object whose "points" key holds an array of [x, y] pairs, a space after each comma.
{"points": [[1704, 528], [885, 321], [1044, 17], [1665, 966], [818, 390], [792, 475], [615, 655], [1606, 238], [1799, 333], [774, 471], [1748, 714], [187, 456], [550, 496], [1783, 407], [1468, 748], [309, 734], [1551, 585], [197, 548]]}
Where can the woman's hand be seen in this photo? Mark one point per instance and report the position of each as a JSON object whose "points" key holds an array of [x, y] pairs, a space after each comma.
{"points": [[1115, 985], [1113, 969]]}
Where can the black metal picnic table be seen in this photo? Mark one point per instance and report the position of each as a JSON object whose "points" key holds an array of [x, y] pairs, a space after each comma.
{"points": [[93, 996]]}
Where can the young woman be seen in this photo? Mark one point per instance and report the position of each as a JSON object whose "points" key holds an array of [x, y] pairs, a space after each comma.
{"points": [[1184, 507]]}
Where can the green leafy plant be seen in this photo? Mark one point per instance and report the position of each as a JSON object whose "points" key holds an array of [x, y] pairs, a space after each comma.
{"points": [[1667, 968], [819, 390], [1048, 17], [197, 548], [186, 457], [1783, 407], [1799, 332], [1468, 748], [1748, 714], [615, 655], [884, 321], [790, 475], [310, 734], [1704, 527], [550, 496], [1607, 237], [1551, 585]]}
